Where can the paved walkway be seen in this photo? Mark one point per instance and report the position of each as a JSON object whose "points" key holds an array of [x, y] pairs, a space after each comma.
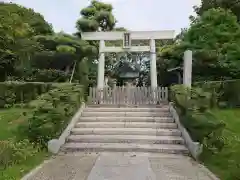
{"points": [[120, 166]]}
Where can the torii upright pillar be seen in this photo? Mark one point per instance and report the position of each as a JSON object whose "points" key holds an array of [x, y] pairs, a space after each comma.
{"points": [[101, 65], [153, 64]]}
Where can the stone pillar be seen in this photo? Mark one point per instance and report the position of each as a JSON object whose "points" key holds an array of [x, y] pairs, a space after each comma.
{"points": [[101, 65], [153, 64], [187, 69]]}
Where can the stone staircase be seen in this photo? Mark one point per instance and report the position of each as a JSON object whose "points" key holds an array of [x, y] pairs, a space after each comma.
{"points": [[114, 129]]}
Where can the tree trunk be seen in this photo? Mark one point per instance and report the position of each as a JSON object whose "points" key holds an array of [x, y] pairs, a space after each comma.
{"points": [[74, 67]]}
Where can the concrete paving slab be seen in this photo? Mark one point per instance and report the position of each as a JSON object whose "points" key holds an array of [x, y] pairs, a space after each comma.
{"points": [[178, 168], [66, 167], [119, 167]]}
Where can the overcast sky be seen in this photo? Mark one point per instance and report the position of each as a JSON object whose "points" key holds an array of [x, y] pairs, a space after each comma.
{"points": [[131, 14]]}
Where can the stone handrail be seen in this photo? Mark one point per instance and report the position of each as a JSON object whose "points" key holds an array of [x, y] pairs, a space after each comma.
{"points": [[195, 148], [54, 145]]}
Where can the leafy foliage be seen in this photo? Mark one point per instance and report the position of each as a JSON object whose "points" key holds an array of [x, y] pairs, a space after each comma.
{"points": [[14, 152], [193, 108], [28, 43], [35, 20], [44, 119], [224, 93], [226, 164], [11, 29], [96, 17], [214, 38], [233, 5], [18, 26], [51, 114], [40, 75], [62, 42], [62, 52]]}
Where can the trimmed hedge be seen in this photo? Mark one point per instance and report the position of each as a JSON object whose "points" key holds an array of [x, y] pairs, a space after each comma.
{"points": [[41, 75], [14, 92]]}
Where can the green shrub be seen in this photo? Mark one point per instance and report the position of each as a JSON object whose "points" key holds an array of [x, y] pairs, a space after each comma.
{"points": [[193, 106], [14, 152], [44, 123], [224, 93], [52, 112], [194, 99], [206, 129], [20, 92], [41, 75]]}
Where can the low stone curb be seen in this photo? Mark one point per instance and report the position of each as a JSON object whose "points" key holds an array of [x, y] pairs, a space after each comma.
{"points": [[34, 171], [195, 148], [54, 145], [209, 173]]}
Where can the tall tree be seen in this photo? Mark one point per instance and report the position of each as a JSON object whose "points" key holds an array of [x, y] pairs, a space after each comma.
{"points": [[61, 51], [214, 39], [11, 32], [233, 5], [97, 16], [18, 27], [35, 20]]}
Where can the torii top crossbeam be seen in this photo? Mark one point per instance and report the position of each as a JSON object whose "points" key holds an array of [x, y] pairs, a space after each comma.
{"points": [[137, 35]]}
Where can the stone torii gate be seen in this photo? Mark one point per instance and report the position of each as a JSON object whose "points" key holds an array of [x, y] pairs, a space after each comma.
{"points": [[127, 37]]}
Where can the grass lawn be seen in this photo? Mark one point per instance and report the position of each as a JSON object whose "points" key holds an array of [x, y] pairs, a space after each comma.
{"points": [[226, 164], [9, 121]]}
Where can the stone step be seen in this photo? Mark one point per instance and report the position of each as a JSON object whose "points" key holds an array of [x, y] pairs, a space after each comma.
{"points": [[125, 125], [162, 105], [125, 139], [128, 114], [126, 131], [126, 109], [127, 119], [125, 147]]}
